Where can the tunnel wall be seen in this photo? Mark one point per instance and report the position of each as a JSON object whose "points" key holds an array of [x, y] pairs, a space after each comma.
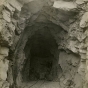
{"points": [[12, 23], [69, 63]]}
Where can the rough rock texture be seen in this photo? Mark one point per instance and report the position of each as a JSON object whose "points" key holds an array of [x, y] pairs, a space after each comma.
{"points": [[44, 29], [65, 5], [84, 21]]}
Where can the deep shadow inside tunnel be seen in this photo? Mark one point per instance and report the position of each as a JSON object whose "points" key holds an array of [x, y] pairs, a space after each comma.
{"points": [[41, 62]]}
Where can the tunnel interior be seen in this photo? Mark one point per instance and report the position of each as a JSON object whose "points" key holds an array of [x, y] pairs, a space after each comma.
{"points": [[42, 57]]}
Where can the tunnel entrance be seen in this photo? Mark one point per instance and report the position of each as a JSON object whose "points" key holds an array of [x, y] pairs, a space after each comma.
{"points": [[41, 61], [42, 57]]}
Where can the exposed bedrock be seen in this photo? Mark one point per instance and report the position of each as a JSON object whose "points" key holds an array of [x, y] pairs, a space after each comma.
{"points": [[43, 41]]}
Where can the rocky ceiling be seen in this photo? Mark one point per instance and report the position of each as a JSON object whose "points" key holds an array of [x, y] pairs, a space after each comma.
{"points": [[43, 41]]}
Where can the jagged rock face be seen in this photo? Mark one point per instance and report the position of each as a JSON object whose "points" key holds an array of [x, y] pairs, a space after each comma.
{"points": [[43, 40]]}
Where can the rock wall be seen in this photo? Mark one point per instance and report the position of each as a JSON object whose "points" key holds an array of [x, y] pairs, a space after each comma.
{"points": [[17, 14]]}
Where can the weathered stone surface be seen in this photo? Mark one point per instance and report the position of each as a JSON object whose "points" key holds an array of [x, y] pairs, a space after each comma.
{"points": [[81, 1], [6, 15], [11, 26], [2, 2], [3, 69], [86, 72], [16, 4], [82, 69], [86, 32], [1, 8], [4, 51], [68, 62], [82, 51], [21, 24], [64, 5], [4, 84], [84, 20], [2, 57], [2, 24], [84, 6], [9, 7], [78, 81], [7, 31], [83, 56], [35, 6], [26, 1], [73, 46]]}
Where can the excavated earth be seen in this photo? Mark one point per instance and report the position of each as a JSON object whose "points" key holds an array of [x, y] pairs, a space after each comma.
{"points": [[43, 43]]}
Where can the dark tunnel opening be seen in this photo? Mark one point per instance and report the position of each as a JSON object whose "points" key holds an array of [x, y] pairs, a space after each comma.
{"points": [[41, 62]]}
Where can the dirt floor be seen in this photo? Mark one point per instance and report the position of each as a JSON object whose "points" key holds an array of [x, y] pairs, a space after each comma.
{"points": [[41, 84]]}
